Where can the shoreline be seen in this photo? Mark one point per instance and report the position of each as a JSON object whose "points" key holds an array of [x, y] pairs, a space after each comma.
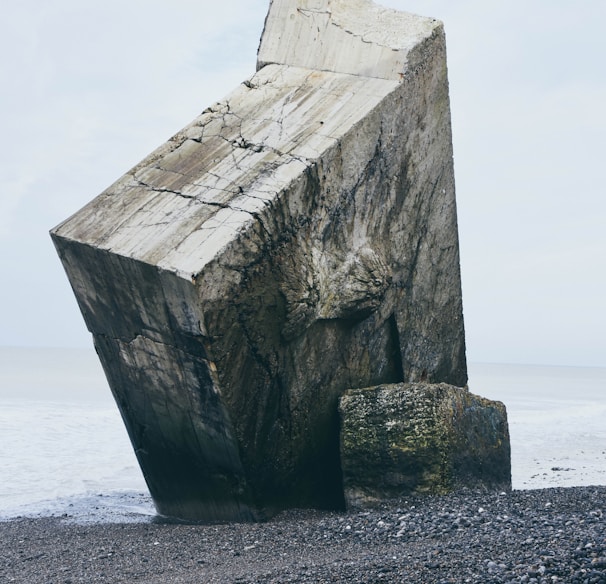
{"points": [[541, 535]]}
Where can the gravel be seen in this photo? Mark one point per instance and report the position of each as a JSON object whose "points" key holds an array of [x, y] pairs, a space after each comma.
{"points": [[538, 536]]}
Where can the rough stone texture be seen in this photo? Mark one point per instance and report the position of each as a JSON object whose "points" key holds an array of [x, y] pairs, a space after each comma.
{"points": [[296, 239], [421, 438]]}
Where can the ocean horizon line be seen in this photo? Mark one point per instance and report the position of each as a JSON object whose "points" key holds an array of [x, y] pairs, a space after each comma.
{"points": [[473, 362]]}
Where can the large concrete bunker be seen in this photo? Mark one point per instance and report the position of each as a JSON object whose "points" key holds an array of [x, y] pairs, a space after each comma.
{"points": [[296, 240]]}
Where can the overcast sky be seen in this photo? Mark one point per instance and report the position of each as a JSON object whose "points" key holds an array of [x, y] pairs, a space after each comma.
{"points": [[90, 88]]}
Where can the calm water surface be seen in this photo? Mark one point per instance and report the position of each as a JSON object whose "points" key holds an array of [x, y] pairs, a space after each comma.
{"points": [[64, 449]]}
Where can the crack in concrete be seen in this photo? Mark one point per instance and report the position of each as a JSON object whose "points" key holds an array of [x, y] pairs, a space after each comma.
{"points": [[217, 108], [163, 190], [361, 37], [309, 12], [254, 85], [241, 142]]}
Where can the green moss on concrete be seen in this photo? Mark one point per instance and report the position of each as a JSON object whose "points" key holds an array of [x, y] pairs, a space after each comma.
{"points": [[420, 438]]}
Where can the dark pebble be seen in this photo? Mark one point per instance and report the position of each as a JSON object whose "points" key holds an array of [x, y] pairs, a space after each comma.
{"points": [[539, 536]]}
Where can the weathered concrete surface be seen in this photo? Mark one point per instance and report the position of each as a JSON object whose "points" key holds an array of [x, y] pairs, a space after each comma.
{"points": [[421, 438], [296, 239], [345, 36]]}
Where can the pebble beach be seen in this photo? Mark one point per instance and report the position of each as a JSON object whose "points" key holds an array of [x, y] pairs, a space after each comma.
{"points": [[534, 536]]}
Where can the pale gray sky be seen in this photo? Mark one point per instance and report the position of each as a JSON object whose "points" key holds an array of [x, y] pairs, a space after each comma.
{"points": [[90, 88]]}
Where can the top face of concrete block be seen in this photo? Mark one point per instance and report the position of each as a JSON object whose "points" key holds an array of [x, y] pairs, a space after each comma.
{"points": [[344, 36], [181, 206]]}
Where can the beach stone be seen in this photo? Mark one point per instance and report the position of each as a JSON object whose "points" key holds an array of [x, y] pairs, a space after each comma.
{"points": [[296, 239], [421, 438]]}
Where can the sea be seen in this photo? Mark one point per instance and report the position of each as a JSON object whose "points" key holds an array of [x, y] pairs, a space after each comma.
{"points": [[64, 450]]}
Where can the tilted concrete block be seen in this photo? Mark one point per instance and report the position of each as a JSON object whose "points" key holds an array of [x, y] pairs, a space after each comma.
{"points": [[297, 239]]}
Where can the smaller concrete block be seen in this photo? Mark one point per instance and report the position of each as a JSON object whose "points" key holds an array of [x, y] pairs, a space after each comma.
{"points": [[420, 438]]}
